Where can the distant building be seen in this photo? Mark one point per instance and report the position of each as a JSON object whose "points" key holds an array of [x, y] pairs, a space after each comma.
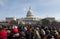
{"points": [[8, 19], [29, 19], [50, 19], [4, 23]]}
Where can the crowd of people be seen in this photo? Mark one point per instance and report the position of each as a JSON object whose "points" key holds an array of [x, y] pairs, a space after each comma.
{"points": [[29, 32]]}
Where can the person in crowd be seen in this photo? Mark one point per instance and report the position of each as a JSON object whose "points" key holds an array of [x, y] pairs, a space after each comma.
{"points": [[52, 37], [3, 33], [43, 34], [10, 34], [22, 33], [37, 33], [27, 34], [15, 32], [47, 31], [59, 32], [56, 34]]}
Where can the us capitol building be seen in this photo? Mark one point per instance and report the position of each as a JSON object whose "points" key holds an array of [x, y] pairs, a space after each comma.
{"points": [[29, 19]]}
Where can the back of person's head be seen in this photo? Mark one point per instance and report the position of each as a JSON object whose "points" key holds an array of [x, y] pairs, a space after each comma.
{"points": [[56, 32], [42, 27], [37, 28], [14, 27], [52, 37], [43, 32]]}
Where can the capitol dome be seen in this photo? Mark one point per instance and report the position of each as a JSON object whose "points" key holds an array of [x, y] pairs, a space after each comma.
{"points": [[29, 13]]}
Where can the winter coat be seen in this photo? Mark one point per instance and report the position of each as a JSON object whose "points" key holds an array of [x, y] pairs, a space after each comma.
{"points": [[3, 34]]}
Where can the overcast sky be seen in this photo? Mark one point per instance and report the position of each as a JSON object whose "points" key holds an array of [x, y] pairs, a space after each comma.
{"points": [[19, 8]]}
